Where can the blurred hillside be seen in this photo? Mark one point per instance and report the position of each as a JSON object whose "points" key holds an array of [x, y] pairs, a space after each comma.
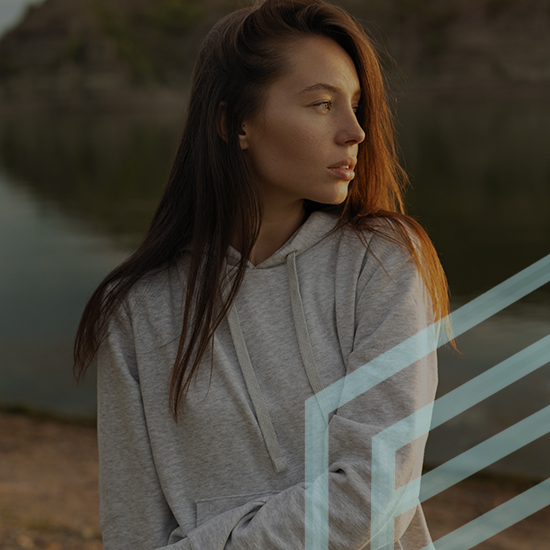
{"points": [[128, 51]]}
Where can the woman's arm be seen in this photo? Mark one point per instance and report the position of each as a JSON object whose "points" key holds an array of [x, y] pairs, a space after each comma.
{"points": [[133, 511], [389, 310]]}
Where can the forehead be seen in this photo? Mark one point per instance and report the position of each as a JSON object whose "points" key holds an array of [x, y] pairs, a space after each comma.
{"points": [[314, 60]]}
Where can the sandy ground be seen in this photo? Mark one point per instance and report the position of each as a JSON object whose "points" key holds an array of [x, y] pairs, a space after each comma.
{"points": [[49, 498]]}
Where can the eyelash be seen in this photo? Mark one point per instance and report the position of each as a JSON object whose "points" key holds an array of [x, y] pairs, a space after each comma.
{"points": [[330, 104]]}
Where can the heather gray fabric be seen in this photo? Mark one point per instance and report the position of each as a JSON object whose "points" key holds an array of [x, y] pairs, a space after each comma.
{"points": [[230, 474]]}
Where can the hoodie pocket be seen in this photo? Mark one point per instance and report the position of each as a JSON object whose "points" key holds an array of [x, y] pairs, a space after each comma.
{"points": [[208, 508]]}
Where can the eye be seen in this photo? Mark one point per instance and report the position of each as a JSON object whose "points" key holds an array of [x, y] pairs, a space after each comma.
{"points": [[328, 104]]}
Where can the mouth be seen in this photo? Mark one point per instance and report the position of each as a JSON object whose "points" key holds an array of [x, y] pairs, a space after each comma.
{"points": [[344, 170], [343, 173], [346, 164]]}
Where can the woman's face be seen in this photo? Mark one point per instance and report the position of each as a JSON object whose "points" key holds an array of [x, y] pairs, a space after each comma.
{"points": [[304, 144]]}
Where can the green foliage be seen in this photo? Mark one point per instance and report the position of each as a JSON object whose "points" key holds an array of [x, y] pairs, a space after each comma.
{"points": [[8, 68], [116, 26], [173, 16], [76, 49], [434, 43], [29, 9]]}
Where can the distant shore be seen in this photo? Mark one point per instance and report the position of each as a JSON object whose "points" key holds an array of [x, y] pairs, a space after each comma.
{"points": [[172, 100], [49, 495]]}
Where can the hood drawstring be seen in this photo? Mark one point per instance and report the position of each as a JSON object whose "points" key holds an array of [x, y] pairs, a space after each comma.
{"points": [[304, 341], [252, 385], [255, 392]]}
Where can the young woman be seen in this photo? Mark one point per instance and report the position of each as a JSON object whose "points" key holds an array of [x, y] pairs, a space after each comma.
{"points": [[279, 261]]}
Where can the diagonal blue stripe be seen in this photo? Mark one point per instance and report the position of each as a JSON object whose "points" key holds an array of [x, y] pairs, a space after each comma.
{"points": [[469, 394], [360, 381], [499, 297], [495, 521], [495, 379], [475, 459]]}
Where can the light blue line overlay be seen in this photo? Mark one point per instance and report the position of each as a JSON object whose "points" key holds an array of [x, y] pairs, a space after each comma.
{"points": [[495, 521], [388, 502]]}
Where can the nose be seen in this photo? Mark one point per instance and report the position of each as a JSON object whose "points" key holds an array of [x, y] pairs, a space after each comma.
{"points": [[351, 131]]}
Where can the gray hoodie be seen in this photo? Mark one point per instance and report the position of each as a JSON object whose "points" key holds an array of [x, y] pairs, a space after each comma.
{"points": [[230, 473]]}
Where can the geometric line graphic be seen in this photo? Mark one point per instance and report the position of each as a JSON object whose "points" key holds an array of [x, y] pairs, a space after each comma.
{"points": [[464, 465], [498, 446], [387, 502], [495, 521]]}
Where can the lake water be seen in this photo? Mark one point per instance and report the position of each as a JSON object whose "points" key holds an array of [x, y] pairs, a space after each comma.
{"points": [[77, 192]]}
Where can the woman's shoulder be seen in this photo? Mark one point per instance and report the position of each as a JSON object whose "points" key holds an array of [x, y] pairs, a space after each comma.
{"points": [[384, 236], [158, 288], [386, 245]]}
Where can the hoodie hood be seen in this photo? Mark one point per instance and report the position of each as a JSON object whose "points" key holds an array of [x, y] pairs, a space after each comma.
{"points": [[312, 231]]}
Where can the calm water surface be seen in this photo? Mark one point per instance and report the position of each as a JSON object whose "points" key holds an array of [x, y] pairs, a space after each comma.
{"points": [[77, 192]]}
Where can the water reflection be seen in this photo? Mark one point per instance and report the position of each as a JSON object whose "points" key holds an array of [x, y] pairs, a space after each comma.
{"points": [[481, 177], [48, 268], [77, 193], [481, 187], [104, 172]]}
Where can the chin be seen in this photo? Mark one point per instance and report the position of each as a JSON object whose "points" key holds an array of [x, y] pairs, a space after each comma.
{"points": [[335, 195], [339, 198]]}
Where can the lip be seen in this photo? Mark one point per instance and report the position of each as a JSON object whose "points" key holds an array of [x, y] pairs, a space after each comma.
{"points": [[343, 173], [343, 170], [348, 161]]}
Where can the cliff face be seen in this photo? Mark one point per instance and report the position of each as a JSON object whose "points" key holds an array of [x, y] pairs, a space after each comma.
{"points": [[59, 46], [473, 42], [97, 48]]}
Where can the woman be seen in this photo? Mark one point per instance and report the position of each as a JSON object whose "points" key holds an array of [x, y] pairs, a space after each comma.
{"points": [[278, 262]]}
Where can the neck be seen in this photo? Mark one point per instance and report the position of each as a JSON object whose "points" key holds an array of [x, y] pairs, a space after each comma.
{"points": [[278, 225]]}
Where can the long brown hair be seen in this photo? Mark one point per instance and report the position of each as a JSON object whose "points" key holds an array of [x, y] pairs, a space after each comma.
{"points": [[211, 195]]}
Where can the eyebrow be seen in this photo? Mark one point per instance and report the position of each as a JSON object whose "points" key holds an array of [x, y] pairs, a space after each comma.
{"points": [[325, 86]]}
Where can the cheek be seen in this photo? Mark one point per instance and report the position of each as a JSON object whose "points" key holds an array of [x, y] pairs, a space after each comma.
{"points": [[289, 143]]}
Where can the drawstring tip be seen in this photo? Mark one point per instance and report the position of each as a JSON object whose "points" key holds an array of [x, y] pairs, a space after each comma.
{"points": [[280, 464]]}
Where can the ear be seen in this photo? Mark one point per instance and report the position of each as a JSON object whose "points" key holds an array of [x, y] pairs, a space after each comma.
{"points": [[243, 136], [221, 125]]}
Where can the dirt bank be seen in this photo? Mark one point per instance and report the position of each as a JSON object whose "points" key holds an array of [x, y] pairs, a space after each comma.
{"points": [[49, 497]]}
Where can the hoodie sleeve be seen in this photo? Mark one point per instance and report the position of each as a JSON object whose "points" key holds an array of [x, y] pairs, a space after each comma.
{"points": [[133, 511], [391, 305]]}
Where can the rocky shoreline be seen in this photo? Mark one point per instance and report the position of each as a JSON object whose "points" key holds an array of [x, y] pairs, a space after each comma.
{"points": [[123, 52], [49, 496]]}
